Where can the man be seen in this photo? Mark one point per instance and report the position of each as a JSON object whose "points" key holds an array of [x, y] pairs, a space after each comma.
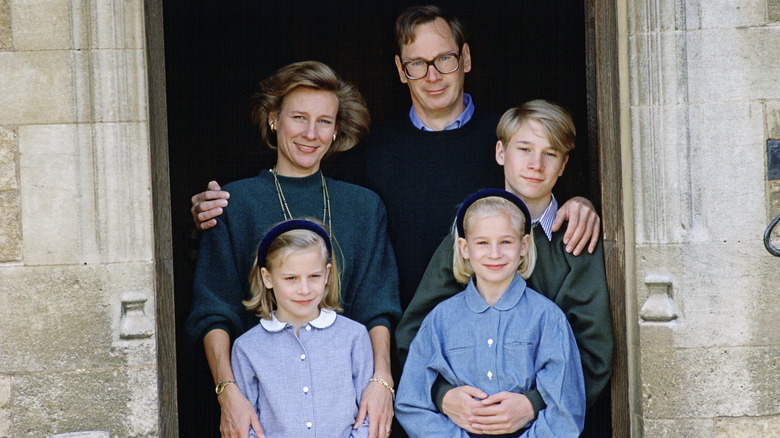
{"points": [[533, 147]]}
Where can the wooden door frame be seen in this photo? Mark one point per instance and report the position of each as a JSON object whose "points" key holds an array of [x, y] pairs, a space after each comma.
{"points": [[604, 138], [603, 93]]}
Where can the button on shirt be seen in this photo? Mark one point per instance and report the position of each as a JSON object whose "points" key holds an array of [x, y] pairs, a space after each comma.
{"points": [[305, 386], [522, 342]]}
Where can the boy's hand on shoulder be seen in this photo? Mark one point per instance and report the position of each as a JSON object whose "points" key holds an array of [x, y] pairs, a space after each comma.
{"points": [[503, 412], [584, 226], [459, 403]]}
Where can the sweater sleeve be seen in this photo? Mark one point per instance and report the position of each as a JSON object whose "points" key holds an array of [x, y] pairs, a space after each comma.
{"points": [[217, 288], [584, 298], [438, 284], [375, 285]]}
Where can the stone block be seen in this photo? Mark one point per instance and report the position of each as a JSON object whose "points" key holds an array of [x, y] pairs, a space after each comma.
{"points": [[772, 117], [10, 227], [684, 427], [726, 294], [77, 203], [41, 25], [6, 38], [655, 15], [733, 64], [8, 154], [71, 317], [773, 10], [106, 400], [118, 25], [705, 382], [747, 427], [86, 434], [719, 14], [36, 87]]}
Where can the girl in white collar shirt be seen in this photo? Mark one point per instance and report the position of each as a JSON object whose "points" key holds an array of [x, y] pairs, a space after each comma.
{"points": [[303, 367], [497, 336]]}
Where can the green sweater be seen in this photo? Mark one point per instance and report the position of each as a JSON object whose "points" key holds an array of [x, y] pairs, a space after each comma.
{"points": [[577, 284], [369, 278]]}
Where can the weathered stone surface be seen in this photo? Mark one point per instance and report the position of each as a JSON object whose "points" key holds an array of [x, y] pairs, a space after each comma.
{"points": [[6, 39], [86, 399], [773, 10], [726, 294], [69, 316], [684, 427], [8, 153], [75, 177], [10, 227], [85, 434], [702, 382], [733, 64], [36, 87], [747, 427], [5, 405], [41, 25], [725, 14]]}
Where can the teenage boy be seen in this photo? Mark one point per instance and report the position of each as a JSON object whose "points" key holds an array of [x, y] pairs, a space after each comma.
{"points": [[533, 147]]}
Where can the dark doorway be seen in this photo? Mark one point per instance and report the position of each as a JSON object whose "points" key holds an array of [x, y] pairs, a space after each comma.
{"points": [[217, 52]]}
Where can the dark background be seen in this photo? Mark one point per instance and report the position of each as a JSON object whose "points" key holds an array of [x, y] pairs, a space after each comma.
{"points": [[217, 52]]}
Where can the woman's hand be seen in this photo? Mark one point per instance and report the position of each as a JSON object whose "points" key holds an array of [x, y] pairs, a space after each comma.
{"points": [[377, 402], [237, 415]]}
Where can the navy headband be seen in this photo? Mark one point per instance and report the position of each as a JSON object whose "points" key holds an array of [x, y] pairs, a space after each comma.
{"points": [[486, 194], [295, 224]]}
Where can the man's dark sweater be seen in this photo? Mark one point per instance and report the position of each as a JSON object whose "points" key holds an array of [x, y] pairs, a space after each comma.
{"points": [[422, 177]]}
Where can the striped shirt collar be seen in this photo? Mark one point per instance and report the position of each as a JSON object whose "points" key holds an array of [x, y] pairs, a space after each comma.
{"points": [[324, 320], [547, 218], [462, 119]]}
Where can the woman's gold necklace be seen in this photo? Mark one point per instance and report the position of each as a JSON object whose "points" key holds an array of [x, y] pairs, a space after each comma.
{"points": [[325, 201]]}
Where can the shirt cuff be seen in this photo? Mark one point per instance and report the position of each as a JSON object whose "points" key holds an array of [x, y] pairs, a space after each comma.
{"points": [[537, 402], [439, 390]]}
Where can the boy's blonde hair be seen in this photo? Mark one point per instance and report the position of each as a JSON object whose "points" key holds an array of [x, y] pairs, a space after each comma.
{"points": [[555, 119], [488, 207], [263, 302]]}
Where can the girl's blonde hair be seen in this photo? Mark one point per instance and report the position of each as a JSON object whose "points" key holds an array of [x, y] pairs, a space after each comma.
{"points": [[263, 302], [488, 207]]}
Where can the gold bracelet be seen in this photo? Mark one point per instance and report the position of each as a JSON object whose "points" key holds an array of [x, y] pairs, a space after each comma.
{"points": [[385, 384], [221, 386]]}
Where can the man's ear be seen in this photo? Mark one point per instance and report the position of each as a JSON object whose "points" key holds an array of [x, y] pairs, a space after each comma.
{"points": [[500, 153], [400, 68], [465, 56]]}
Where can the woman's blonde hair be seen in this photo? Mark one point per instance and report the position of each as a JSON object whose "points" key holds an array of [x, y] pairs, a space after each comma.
{"points": [[488, 207], [263, 302], [352, 119]]}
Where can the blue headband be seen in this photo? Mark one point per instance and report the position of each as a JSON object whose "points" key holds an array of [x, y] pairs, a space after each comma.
{"points": [[295, 224], [486, 194]]}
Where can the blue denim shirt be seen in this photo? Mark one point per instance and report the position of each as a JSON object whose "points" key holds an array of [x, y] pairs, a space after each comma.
{"points": [[305, 386], [522, 342]]}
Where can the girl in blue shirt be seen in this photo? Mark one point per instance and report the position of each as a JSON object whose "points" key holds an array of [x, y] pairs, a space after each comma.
{"points": [[303, 367], [497, 337]]}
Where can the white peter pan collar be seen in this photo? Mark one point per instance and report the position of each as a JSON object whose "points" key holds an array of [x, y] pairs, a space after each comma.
{"points": [[325, 319]]}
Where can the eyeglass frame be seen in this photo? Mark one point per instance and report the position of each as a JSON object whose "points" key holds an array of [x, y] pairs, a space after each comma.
{"points": [[430, 63]]}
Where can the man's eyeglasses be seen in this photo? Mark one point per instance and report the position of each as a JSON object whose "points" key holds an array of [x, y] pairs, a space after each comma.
{"points": [[444, 64]]}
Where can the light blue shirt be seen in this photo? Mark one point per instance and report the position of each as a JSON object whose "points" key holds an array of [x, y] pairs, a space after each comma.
{"points": [[547, 218], [305, 386], [462, 119], [522, 342]]}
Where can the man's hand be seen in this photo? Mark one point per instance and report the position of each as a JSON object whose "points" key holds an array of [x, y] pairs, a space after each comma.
{"points": [[377, 403], [208, 205], [503, 412], [237, 415], [459, 404], [584, 225]]}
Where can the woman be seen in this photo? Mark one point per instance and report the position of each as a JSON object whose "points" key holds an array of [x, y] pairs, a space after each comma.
{"points": [[305, 112]]}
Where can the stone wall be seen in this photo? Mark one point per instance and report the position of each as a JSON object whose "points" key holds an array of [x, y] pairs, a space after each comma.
{"points": [[77, 282], [704, 98]]}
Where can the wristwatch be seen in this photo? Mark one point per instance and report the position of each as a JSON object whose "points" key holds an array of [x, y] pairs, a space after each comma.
{"points": [[221, 386]]}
